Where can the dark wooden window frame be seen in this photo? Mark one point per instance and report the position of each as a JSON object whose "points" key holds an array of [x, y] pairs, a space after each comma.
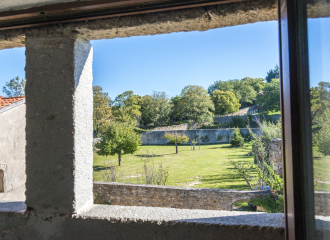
{"points": [[296, 120], [295, 99]]}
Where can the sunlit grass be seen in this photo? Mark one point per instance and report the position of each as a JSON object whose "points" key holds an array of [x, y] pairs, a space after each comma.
{"points": [[321, 171], [208, 167]]}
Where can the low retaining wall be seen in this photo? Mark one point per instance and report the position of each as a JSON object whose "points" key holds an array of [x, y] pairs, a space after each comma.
{"points": [[174, 197], [227, 119], [156, 137]]}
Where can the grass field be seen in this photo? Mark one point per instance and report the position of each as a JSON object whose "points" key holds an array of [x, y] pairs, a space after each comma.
{"points": [[321, 171], [208, 167]]}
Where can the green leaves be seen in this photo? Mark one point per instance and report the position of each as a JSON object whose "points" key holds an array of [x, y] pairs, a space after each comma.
{"points": [[15, 87], [269, 99], [196, 105], [119, 138], [176, 138], [224, 102]]}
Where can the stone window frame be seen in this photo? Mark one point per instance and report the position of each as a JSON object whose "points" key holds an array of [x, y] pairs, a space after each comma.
{"points": [[174, 21], [3, 168]]}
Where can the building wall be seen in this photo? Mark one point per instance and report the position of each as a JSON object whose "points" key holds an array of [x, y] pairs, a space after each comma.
{"points": [[171, 197], [12, 149], [156, 137]]}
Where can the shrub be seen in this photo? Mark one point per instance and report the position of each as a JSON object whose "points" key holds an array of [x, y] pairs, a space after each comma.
{"points": [[237, 140], [205, 139], [153, 175], [238, 122]]}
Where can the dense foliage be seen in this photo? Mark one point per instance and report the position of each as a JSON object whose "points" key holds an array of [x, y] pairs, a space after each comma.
{"points": [[269, 98], [273, 73], [196, 105], [237, 140], [224, 102], [102, 113]]}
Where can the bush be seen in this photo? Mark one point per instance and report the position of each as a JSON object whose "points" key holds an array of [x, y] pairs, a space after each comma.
{"points": [[238, 122], [153, 175], [237, 140]]}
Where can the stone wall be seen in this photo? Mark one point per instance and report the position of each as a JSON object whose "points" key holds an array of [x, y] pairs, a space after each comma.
{"points": [[228, 119], [322, 203], [322, 199], [156, 137], [173, 197], [183, 126], [275, 155]]}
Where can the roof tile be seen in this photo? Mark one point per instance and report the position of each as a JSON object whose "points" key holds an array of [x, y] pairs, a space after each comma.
{"points": [[5, 101]]}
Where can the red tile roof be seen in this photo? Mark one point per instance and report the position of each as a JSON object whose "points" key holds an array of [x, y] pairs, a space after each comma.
{"points": [[4, 101]]}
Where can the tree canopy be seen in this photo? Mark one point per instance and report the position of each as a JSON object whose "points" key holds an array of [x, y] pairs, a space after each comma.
{"points": [[120, 139], [269, 99], [101, 109], [273, 73], [15, 87], [224, 102], [245, 90], [196, 105], [126, 107]]}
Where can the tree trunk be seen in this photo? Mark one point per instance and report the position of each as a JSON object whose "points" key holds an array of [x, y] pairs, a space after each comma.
{"points": [[176, 147], [119, 159], [194, 147]]}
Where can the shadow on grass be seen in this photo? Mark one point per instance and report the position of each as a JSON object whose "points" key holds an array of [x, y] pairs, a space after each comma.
{"points": [[99, 168], [227, 180]]}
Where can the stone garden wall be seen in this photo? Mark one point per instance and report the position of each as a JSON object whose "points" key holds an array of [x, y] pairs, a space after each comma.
{"points": [[227, 119], [321, 199], [275, 155], [156, 137], [173, 197]]}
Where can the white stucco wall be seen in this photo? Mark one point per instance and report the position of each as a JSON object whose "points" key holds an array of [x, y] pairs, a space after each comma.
{"points": [[12, 152], [6, 5]]}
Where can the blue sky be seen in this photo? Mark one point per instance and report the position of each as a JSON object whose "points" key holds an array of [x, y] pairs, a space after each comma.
{"points": [[169, 62]]}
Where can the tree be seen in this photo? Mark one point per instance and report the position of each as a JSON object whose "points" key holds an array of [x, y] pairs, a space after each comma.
{"points": [[258, 84], [176, 113], [176, 139], [196, 105], [224, 102], [102, 114], [320, 98], [245, 90], [119, 138], [148, 115], [162, 107], [273, 73], [126, 107], [322, 135], [15, 87], [269, 99]]}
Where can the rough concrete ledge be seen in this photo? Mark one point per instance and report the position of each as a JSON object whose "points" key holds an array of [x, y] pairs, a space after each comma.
{"points": [[172, 216]]}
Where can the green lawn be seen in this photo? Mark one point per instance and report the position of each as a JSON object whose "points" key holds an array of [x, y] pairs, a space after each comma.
{"points": [[321, 171], [205, 168]]}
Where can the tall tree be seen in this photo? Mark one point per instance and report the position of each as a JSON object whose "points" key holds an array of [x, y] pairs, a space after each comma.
{"points": [[269, 99], [102, 114], [15, 87], [320, 98], [162, 106], [224, 102], [148, 115], [273, 73], [120, 139], [126, 107], [176, 113], [196, 104]]}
